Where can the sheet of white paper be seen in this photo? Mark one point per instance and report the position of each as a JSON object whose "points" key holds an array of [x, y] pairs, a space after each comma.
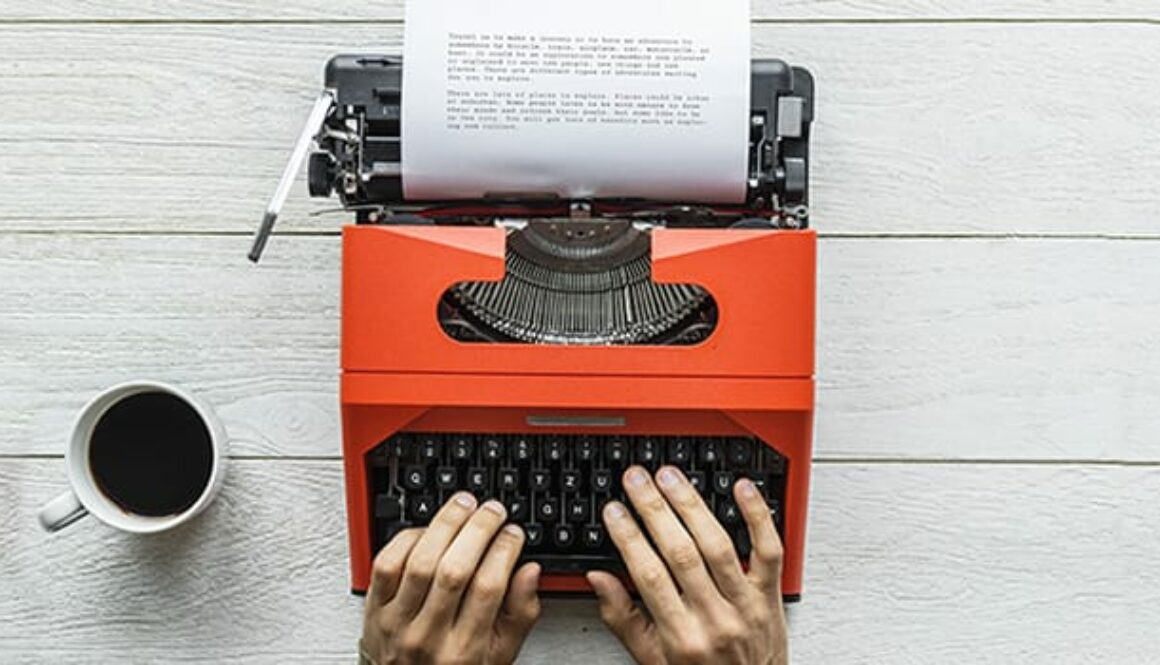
{"points": [[581, 98]]}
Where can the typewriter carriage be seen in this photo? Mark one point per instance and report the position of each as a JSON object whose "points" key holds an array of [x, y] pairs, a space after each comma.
{"points": [[360, 145]]}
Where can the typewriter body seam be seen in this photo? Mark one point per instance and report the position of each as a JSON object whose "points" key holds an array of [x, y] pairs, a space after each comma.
{"points": [[485, 342]]}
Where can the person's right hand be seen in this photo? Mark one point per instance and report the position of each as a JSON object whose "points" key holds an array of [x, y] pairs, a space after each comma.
{"points": [[704, 608]]}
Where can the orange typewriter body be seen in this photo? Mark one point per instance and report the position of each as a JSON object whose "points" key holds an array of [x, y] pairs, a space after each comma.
{"points": [[401, 372]]}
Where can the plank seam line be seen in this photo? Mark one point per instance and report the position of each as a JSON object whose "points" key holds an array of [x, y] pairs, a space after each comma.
{"points": [[334, 233], [962, 20], [821, 461]]}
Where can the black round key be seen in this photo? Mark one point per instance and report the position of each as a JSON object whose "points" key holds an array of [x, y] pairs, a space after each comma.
{"points": [[727, 513], [563, 536], [535, 534], [722, 482], [399, 445], [679, 451], [578, 510], [461, 449], [509, 480], [593, 536], [548, 510], [646, 451], [617, 451], [740, 452], [421, 508], [708, 451], [477, 479], [522, 451], [697, 480], [555, 451], [415, 477], [517, 508], [492, 449], [602, 480], [446, 477], [570, 481], [540, 480], [758, 480], [586, 449], [429, 449]]}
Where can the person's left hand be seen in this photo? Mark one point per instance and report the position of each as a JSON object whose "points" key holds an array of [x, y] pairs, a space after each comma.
{"points": [[442, 594]]}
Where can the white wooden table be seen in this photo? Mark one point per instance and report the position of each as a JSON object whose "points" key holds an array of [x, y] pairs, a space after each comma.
{"points": [[987, 183]]}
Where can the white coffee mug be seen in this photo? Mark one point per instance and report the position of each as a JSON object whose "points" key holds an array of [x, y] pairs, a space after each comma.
{"points": [[86, 495]]}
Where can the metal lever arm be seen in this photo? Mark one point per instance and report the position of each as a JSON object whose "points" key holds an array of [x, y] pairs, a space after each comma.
{"points": [[318, 114]]}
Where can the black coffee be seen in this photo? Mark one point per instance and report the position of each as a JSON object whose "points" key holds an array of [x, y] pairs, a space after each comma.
{"points": [[151, 453]]}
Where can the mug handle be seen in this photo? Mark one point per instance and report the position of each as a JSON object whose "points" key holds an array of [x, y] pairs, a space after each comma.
{"points": [[61, 512]]}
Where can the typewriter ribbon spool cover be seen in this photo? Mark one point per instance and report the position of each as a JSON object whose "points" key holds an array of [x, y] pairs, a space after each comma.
{"points": [[530, 347]]}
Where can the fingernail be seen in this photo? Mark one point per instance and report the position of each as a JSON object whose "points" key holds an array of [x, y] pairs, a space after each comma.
{"points": [[495, 507], [597, 587], [614, 510], [668, 477], [465, 499], [514, 530], [746, 488], [636, 476]]}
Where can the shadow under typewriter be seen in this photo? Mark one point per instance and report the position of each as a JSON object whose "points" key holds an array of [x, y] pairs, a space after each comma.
{"points": [[571, 282]]}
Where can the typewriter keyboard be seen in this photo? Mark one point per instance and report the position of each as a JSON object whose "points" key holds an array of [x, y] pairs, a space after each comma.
{"points": [[554, 486]]}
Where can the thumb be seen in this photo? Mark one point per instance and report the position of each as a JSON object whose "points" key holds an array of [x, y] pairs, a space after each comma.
{"points": [[521, 609], [624, 618]]}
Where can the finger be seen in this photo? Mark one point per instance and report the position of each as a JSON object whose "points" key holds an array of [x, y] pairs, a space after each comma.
{"points": [[766, 555], [521, 610], [712, 540], [387, 569], [648, 572], [624, 618], [673, 541], [485, 595], [457, 568], [420, 567]]}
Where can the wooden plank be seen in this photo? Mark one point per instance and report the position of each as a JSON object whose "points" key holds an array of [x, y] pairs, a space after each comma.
{"points": [[964, 349], [907, 564], [392, 10], [83, 313], [261, 577], [922, 129]]}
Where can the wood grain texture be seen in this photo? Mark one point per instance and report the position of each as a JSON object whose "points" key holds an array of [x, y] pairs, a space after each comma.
{"points": [[260, 578], [922, 129], [907, 564], [392, 10], [937, 118], [944, 349]]}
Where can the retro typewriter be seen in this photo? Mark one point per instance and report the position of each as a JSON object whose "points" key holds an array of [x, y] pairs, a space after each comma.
{"points": [[531, 349]]}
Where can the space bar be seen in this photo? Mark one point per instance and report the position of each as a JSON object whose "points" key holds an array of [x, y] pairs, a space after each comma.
{"points": [[577, 563]]}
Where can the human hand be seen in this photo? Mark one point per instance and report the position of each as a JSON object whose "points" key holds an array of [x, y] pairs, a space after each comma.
{"points": [[704, 608], [442, 594]]}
